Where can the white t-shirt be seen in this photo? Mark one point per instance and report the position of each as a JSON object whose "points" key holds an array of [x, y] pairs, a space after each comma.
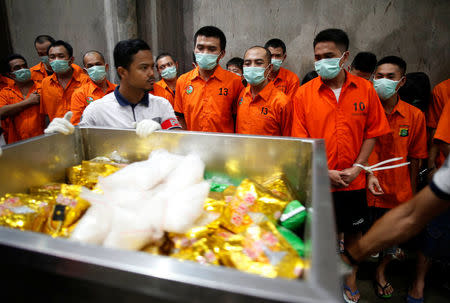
{"points": [[337, 93], [113, 110], [440, 184]]}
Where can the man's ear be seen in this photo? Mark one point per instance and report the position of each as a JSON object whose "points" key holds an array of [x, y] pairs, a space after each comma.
{"points": [[107, 67], [269, 70], [176, 65], [122, 72], [221, 55], [402, 82], [284, 56], [71, 60]]}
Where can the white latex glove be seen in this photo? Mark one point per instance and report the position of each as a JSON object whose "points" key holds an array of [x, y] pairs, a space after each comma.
{"points": [[61, 125], [145, 127]]}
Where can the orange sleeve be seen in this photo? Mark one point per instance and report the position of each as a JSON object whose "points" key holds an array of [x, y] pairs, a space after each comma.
{"points": [[77, 105], [443, 127], [376, 124], [298, 118], [3, 97], [418, 146], [178, 102], [286, 118], [239, 88], [435, 108], [294, 84], [42, 108]]}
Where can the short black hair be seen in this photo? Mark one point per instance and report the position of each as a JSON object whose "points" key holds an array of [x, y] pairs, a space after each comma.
{"points": [[211, 31], [44, 38], [162, 55], [365, 62], [394, 60], [276, 43], [268, 54], [66, 45], [309, 76], [236, 61], [338, 36], [125, 50], [94, 52], [11, 57]]}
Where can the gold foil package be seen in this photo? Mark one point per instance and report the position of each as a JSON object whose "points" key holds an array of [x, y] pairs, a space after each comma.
{"points": [[261, 250], [88, 172], [278, 185], [67, 210], [25, 212], [250, 198]]}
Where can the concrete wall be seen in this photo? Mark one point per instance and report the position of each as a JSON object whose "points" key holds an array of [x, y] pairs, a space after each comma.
{"points": [[417, 30], [85, 24]]}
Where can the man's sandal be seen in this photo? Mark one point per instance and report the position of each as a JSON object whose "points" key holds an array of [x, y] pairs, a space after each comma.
{"points": [[352, 293], [384, 295], [410, 299]]}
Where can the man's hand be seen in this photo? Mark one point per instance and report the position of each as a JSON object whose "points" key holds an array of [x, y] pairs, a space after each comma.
{"points": [[336, 179], [61, 125], [350, 174], [34, 98], [374, 185], [146, 127]]}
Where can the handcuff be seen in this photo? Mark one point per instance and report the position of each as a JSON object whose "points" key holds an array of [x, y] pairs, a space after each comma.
{"points": [[375, 167]]}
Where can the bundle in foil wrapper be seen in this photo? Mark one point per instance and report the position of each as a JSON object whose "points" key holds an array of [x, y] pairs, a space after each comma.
{"points": [[250, 198], [88, 172], [25, 212], [278, 185], [261, 250], [66, 211]]}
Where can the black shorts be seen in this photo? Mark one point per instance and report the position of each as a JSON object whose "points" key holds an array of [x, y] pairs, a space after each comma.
{"points": [[350, 210]]}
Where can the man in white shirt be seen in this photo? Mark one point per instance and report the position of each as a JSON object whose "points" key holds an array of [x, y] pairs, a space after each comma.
{"points": [[130, 105]]}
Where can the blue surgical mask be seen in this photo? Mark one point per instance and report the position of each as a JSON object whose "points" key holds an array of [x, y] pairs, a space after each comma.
{"points": [[169, 72], [97, 73], [206, 61], [328, 68], [385, 88], [44, 59], [276, 64], [22, 75], [254, 75], [60, 66]]}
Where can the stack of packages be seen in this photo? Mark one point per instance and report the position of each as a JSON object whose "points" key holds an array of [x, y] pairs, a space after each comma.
{"points": [[168, 205]]}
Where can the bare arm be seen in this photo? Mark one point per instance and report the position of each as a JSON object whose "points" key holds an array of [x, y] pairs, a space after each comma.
{"points": [[414, 169], [350, 174], [400, 224]]}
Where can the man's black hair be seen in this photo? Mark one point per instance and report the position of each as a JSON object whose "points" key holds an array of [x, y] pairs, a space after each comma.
{"points": [[338, 36], [7, 67], [125, 50], [276, 43], [309, 76], [211, 31], [66, 45], [236, 61], [394, 60], [162, 55], [44, 38], [94, 52], [365, 62]]}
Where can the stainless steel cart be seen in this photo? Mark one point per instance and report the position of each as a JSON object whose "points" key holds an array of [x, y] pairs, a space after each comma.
{"points": [[136, 275]]}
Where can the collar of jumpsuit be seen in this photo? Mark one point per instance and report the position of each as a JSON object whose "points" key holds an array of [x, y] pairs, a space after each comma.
{"points": [[124, 102]]}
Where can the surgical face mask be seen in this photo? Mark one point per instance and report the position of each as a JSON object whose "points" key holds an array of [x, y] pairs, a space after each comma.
{"points": [[60, 66], [206, 61], [254, 75], [328, 68], [169, 72], [44, 59], [276, 64], [22, 75], [385, 88], [97, 73]]}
